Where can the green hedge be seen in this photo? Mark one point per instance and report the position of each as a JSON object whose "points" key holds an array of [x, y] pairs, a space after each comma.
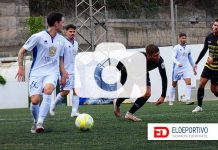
{"points": [[2, 80]]}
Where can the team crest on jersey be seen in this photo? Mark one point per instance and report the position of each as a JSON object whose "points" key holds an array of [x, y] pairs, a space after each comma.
{"points": [[183, 54], [52, 51]]}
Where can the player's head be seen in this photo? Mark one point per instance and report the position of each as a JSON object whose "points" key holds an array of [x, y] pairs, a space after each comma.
{"points": [[55, 19], [215, 27], [182, 38], [70, 31], [153, 53]]}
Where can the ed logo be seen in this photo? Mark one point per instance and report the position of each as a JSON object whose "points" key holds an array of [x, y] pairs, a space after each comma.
{"points": [[161, 132]]}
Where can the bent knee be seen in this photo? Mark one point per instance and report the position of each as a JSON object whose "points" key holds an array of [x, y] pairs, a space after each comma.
{"points": [[147, 95]]}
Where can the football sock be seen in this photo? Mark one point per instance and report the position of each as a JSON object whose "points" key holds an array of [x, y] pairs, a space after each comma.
{"points": [[200, 96], [34, 109], [188, 92], [119, 101], [58, 99], [44, 107], [172, 93], [138, 104], [75, 103]]}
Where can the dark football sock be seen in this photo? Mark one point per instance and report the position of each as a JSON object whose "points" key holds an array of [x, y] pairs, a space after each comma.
{"points": [[200, 96], [119, 101], [138, 104]]}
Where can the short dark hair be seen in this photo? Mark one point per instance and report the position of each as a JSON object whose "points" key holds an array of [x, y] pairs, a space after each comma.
{"points": [[182, 34], [70, 26], [151, 49], [216, 20], [53, 17]]}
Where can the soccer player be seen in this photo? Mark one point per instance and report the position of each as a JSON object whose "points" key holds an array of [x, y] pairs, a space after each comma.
{"points": [[210, 71], [181, 59], [154, 60], [70, 51], [47, 47]]}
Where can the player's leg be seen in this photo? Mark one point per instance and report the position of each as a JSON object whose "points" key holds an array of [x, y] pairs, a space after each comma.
{"points": [[176, 75], [35, 91], [172, 92], [200, 94], [117, 102], [188, 91], [75, 104], [214, 83], [49, 84], [205, 76], [34, 109], [61, 96], [138, 104]]}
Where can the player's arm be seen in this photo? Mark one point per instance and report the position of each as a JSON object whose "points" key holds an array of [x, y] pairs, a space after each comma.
{"points": [[203, 52], [21, 72], [64, 74], [28, 46], [174, 57], [201, 55], [163, 75], [192, 62]]}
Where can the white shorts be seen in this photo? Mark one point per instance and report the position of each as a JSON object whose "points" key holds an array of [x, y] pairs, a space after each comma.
{"points": [[178, 74], [69, 83], [37, 83]]}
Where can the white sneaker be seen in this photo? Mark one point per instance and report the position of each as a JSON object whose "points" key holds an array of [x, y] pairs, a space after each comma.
{"points": [[52, 109], [197, 109], [170, 103], [74, 114], [189, 102], [33, 128], [132, 117], [39, 128]]}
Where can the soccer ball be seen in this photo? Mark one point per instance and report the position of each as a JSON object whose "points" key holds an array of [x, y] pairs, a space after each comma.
{"points": [[84, 122]]}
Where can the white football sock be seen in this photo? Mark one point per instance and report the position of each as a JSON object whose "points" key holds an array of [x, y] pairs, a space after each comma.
{"points": [[58, 99], [188, 92], [44, 107], [172, 93], [75, 103], [34, 109]]}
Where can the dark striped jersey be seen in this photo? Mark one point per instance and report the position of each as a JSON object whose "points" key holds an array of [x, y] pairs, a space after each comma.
{"points": [[211, 43]]}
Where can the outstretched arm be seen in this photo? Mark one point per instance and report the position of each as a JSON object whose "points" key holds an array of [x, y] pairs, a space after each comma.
{"points": [[21, 72], [163, 75], [203, 52]]}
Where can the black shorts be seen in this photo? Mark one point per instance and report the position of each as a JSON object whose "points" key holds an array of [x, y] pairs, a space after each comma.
{"points": [[211, 75]]}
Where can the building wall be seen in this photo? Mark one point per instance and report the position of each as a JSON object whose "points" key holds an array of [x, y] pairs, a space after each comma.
{"points": [[13, 14]]}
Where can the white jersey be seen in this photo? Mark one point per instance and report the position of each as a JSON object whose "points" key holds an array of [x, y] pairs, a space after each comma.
{"points": [[182, 55], [70, 52], [46, 53]]}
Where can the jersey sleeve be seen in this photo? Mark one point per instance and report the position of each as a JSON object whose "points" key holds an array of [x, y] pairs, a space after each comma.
{"points": [[174, 56], [203, 51], [163, 75], [31, 42]]}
